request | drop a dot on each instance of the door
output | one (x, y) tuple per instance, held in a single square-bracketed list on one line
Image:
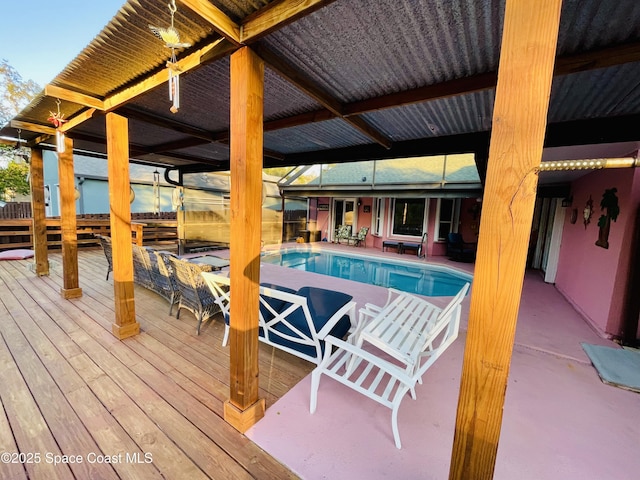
[(343, 214)]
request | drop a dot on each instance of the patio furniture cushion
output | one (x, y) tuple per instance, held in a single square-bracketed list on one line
[(294, 321), (275, 303), (17, 254), (343, 233), (360, 237), (391, 243), (322, 304)]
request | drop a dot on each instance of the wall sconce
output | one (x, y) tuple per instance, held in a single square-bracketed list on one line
[(567, 201)]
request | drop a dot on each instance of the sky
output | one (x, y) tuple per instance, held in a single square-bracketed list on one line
[(40, 37)]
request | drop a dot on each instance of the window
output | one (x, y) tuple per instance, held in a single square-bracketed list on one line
[(448, 214), (378, 216), (408, 216)]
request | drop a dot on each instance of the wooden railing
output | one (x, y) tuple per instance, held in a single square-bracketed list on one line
[(18, 233)]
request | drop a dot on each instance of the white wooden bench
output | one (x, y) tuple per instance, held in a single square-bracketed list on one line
[(412, 332)]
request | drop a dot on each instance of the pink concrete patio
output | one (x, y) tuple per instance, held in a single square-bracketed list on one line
[(560, 421)]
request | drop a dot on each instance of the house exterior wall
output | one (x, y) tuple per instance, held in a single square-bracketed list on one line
[(468, 222), (594, 279)]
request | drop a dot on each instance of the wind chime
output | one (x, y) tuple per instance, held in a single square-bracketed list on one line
[(57, 119), (171, 38)]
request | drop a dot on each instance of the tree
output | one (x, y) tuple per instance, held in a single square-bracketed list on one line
[(13, 180), (15, 93)]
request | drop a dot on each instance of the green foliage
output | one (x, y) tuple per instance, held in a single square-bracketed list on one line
[(15, 93), (13, 180)]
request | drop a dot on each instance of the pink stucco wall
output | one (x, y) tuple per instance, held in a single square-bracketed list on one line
[(469, 221), (592, 278)]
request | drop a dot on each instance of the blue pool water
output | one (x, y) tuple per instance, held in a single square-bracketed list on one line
[(429, 280)]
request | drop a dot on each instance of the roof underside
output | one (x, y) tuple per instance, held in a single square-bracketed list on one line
[(344, 81)]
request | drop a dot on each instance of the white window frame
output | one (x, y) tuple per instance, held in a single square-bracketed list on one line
[(455, 217), (377, 219), (392, 209)]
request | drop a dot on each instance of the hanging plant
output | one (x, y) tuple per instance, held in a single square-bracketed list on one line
[(608, 204)]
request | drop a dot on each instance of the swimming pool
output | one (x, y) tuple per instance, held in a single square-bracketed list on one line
[(429, 280)]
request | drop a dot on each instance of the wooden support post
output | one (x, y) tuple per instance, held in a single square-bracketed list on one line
[(120, 219), (68, 224), (244, 408), (38, 213), (519, 122)]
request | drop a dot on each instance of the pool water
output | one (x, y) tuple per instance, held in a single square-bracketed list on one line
[(429, 280)]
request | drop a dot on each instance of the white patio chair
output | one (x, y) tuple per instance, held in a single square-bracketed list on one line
[(412, 349)]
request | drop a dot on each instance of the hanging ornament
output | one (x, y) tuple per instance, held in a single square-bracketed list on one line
[(19, 150), (57, 119), (171, 39)]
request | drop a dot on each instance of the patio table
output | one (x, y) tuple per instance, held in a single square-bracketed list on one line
[(215, 262)]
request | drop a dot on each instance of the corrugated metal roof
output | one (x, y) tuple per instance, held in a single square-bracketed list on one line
[(361, 49), (347, 51)]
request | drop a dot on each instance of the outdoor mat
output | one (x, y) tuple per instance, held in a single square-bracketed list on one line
[(616, 366)]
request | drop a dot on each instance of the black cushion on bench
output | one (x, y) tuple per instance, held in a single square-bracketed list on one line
[(323, 304)]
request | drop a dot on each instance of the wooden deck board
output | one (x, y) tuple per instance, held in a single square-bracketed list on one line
[(29, 347), (160, 392)]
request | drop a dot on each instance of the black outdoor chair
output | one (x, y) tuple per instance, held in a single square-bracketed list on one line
[(459, 250)]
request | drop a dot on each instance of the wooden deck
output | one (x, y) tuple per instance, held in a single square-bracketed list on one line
[(143, 408)]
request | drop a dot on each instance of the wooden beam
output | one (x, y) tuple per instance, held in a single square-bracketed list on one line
[(125, 324), (300, 119), (73, 97), (77, 120), (220, 22), (581, 62), (208, 53), (165, 122), (244, 407), (317, 93), (33, 127), (520, 113), (604, 57), (34, 142), (66, 178), (463, 143), (38, 213), (452, 88), (276, 15), (297, 78), (177, 145)]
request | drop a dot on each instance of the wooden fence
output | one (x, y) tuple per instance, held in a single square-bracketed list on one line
[(16, 210), (18, 233)]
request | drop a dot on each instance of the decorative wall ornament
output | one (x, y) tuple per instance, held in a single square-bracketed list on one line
[(609, 203), (574, 216), (171, 39), (587, 212)]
